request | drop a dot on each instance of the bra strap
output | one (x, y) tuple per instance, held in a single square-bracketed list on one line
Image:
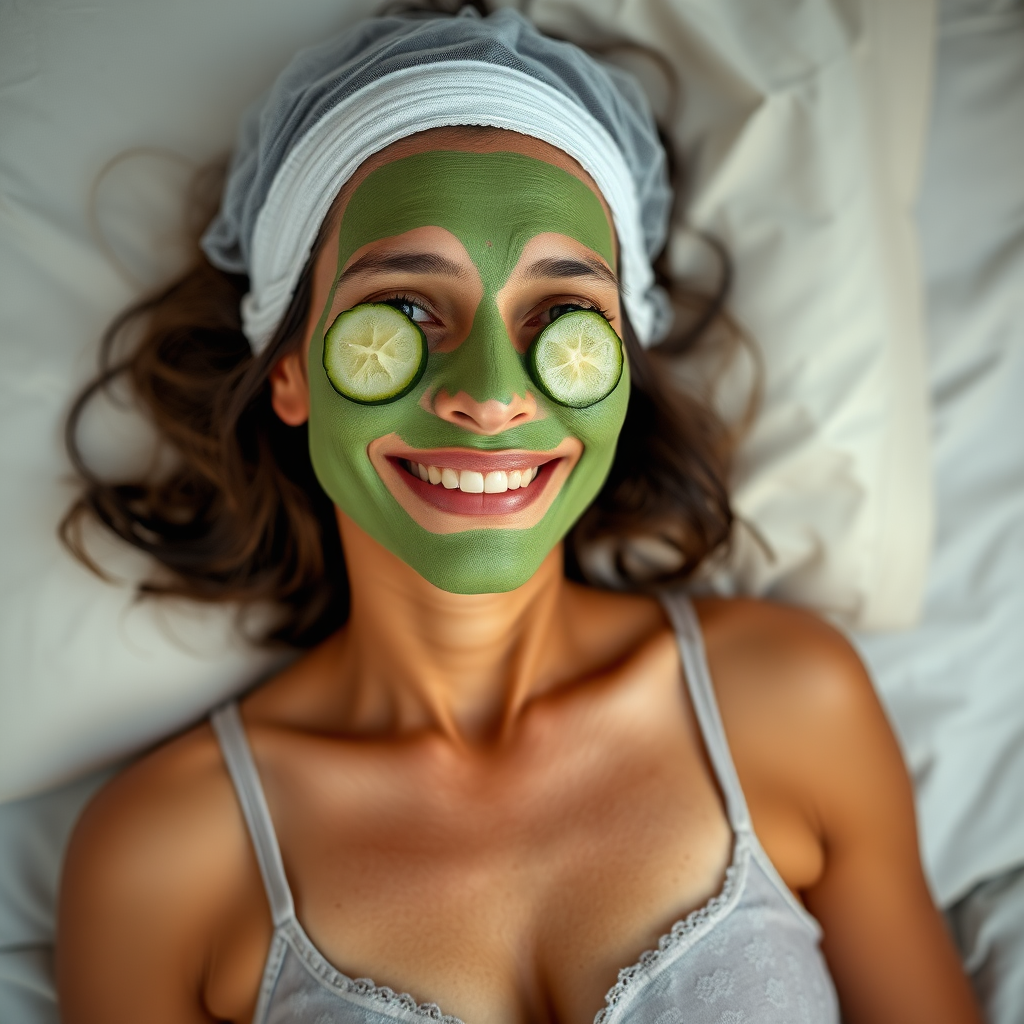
[(230, 733), (702, 695)]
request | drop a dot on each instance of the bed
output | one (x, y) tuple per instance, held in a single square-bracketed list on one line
[(860, 159)]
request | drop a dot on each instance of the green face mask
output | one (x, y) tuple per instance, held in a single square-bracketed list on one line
[(494, 203)]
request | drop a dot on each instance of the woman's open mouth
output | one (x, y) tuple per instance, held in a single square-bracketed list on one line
[(477, 483), (448, 490)]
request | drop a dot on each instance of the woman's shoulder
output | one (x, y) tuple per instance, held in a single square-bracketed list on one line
[(791, 687), (161, 846), (783, 661), (812, 745), (159, 899), (178, 780)]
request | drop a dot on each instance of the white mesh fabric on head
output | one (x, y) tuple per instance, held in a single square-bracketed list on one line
[(338, 103)]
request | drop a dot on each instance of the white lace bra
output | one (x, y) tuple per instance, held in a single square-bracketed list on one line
[(750, 955)]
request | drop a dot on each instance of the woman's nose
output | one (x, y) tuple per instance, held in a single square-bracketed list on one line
[(488, 417), (482, 386)]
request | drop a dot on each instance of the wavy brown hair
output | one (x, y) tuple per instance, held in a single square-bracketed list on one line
[(240, 517)]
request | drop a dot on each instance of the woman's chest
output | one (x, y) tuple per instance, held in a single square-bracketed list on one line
[(526, 923), (517, 897)]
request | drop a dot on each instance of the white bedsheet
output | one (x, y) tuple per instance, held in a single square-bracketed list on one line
[(955, 683)]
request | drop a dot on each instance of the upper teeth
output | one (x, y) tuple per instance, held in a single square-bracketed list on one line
[(469, 480)]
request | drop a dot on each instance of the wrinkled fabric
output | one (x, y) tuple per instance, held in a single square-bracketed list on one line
[(988, 926)]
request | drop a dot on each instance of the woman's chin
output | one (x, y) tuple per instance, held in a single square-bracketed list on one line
[(481, 566), (469, 562)]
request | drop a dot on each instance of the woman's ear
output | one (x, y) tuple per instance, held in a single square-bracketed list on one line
[(289, 393)]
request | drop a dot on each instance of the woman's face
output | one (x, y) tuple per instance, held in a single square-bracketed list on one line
[(482, 246)]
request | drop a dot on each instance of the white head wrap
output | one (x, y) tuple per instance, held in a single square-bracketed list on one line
[(342, 101)]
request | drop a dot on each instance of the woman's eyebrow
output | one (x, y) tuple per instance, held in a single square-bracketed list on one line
[(568, 266), (403, 262)]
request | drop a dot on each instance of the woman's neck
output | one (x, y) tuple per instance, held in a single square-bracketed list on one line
[(466, 665)]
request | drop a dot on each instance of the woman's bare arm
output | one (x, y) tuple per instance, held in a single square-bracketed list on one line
[(150, 869), (804, 720), (887, 944)]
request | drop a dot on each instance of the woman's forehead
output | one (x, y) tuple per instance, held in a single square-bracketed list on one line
[(493, 202), (469, 139)]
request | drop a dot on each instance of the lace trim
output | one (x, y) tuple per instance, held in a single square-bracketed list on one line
[(362, 986), (401, 1000), (668, 942), (627, 976)]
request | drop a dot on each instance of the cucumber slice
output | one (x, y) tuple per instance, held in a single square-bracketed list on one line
[(577, 359), (373, 353)]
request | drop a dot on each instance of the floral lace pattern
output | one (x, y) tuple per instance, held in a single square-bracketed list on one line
[(680, 931)]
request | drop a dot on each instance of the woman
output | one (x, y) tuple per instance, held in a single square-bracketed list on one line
[(491, 787)]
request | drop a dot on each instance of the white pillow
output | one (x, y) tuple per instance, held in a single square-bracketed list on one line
[(954, 684), (802, 154), (801, 129)]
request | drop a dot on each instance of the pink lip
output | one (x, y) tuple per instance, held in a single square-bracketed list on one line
[(462, 503)]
